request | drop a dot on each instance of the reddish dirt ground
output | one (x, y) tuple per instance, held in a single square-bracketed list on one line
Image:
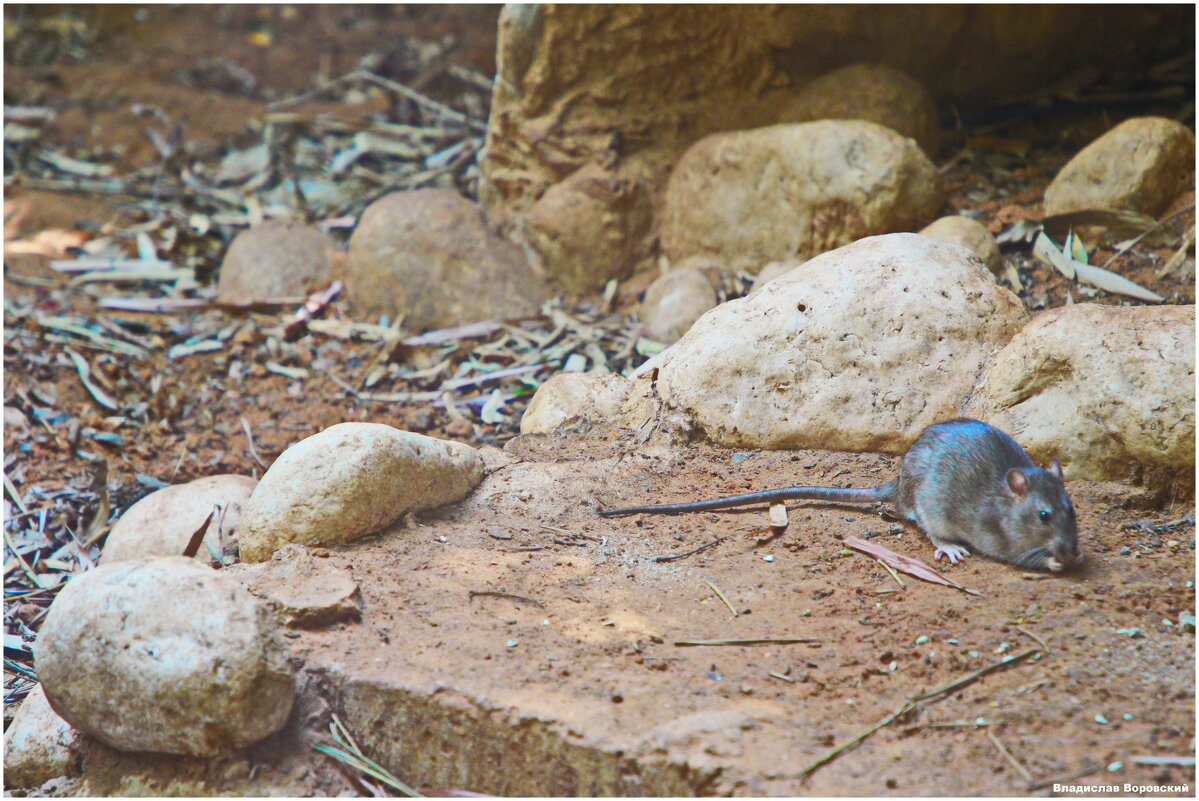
[(1098, 695)]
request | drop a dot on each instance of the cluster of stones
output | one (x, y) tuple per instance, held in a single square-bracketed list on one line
[(155, 652)]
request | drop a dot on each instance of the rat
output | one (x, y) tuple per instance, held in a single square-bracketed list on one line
[(969, 486)]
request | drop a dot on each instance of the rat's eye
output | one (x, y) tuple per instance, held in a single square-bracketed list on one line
[(1046, 515)]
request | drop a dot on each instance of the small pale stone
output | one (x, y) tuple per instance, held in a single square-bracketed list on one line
[(163, 522), (350, 480), (970, 234), (873, 92), (595, 397), (794, 191), (166, 655), (277, 259), (773, 270), (674, 301), (1141, 165), (38, 744)]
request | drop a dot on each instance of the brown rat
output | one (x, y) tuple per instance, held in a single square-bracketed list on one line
[(967, 485)]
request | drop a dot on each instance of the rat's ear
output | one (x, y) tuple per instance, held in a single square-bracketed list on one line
[(1055, 469), (1017, 482)]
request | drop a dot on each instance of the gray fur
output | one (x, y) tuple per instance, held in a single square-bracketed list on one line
[(963, 482)]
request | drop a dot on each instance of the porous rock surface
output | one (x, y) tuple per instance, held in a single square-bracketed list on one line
[(1109, 390), (277, 259), (873, 92), (860, 350), (1141, 165), (163, 522), (350, 480), (593, 397), (166, 655), (38, 745), (303, 589), (794, 191), (674, 301), (970, 234), (429, 255)]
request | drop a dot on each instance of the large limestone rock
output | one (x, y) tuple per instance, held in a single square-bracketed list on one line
[(429, 256), (277, 259), (794, 191), (350, 480), (163, 522), (872, 92), (594, 397), (859, 350), (163, 654), (1141, 165), (637, 84), (38, 745), (1109, 390)]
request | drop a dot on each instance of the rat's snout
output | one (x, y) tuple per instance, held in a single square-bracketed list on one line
[(1065, 555)]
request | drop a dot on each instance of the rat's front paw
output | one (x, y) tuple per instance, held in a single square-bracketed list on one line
[(954, 552)]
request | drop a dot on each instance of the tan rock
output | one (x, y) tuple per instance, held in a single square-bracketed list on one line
[(304, 591), (860, 350), (277, 259), (970, 234), (163, 654), (1141, 165), (429, 256), (163, 522), (38, 744), (1109, 390), (350, 480), (593, 226), (871, 92), (794, 191), (773, 270), (674, 301), (594, 397)]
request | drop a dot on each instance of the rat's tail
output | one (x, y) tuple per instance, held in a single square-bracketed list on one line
[(883, 492)]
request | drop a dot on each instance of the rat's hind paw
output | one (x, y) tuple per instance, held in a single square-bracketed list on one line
[(954, 552)]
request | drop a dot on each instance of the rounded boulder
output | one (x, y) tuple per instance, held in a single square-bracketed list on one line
[(859, 350), (165, 655), (350, 480), (872, 92), (747, 198), (1141, 165), (428, 255), (163, 522), (1109, 390), (277, 259)]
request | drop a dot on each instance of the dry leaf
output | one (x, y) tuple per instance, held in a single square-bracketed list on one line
[(913, 567)]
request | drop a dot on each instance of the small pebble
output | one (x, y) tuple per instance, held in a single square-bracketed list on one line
[(893, 666), (767, 558), (921, 640), (1127, 716), (513, 643), (1115, 766), (1100, 719), (1130, 632), (980, 721), (952, 641), (973, 654)]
